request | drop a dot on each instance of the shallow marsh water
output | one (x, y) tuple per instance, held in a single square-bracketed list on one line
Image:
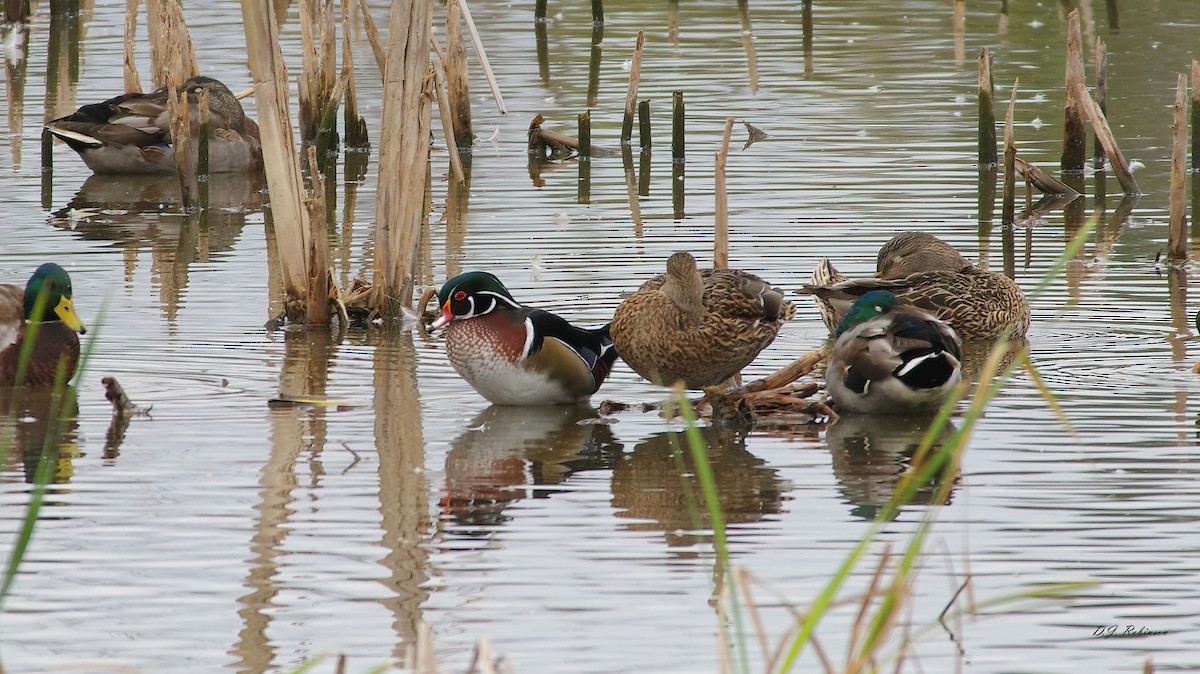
[(222, 534)]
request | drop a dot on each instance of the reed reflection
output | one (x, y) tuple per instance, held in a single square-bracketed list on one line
[(872, 453), (308, 354), (508, 453), (15, 37), (655, 487)]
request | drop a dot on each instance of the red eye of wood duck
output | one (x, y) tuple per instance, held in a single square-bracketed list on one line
[(515, 355)]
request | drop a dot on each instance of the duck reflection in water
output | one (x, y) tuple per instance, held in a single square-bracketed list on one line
[(507, 452), (41, 427), (648, 489), (871, 453)]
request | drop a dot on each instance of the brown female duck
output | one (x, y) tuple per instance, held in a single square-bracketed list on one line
[(698, 327)]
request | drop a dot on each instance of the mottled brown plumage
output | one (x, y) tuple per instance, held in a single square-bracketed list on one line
[(698, 327), (926, 272)]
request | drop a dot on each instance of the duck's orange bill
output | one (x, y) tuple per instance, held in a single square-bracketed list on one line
[(444, 319)]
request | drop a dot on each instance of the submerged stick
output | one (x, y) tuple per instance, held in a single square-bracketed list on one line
[(721, 210), (1177, 230), (631, 95), (1100, 124), (1074, 134), (987, 112), (1009, 202), (483, 59), (677, 118)]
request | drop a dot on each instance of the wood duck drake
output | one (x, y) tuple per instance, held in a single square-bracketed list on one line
[(926, 272), (698, 327), (891, 358), (515, 355), (131, 133), (44, 310)]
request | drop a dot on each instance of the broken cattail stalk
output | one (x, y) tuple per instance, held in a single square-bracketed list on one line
[(1195, 114), (447, 125), (987, 112), (597, 11), (317, 305), (1177, 230), (373, 37), (594, 64), (133, 83), (542, 39), (644, 139), (958, 23), (721, 210), (47, 169), (457, 86), (1045, 182), (1074, 134), (483, 59), (1104, 133), (644, 174), (202, 145), (403, 155), (677, 117), (631, 95), (748, 45), (1009, 201), (280, 160), (585, 135), (356, 126), (178, 109), (1101, 99), (539, 11)]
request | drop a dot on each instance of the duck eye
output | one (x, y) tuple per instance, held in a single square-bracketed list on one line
[(460, 296)]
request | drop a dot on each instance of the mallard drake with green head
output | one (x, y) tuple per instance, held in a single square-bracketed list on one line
[(515, 355), (891, 358), (926, 272), (43, 310), (131, 133), (698, 327)]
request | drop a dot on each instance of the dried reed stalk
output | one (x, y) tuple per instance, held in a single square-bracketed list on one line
[(133, 83), (403, 155), (280, 160), (457, 86), (319, 280), (987, 111), (373, 37), (1074, 134), (721, 210), (1177, 230), (445, 113), (635, 72), (1009, 201), (166, 26), (483, 59), (356, 126), (1104, 133), (1195, 114), (1101, 98)]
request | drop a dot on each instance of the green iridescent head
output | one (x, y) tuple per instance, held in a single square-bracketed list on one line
[(472, 294), (48, 297), (874, 303)]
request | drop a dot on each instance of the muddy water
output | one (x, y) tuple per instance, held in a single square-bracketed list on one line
[(223, 534)]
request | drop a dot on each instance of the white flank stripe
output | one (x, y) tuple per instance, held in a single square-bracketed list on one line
[(82, 138), (528, 338)]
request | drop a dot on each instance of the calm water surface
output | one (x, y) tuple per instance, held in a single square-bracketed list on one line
[(223, 535)]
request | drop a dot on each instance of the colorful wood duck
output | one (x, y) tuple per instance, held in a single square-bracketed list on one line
[(926, 272), (892, 358), (515, 355), (131, 133), (698, 327), (42, 310)]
